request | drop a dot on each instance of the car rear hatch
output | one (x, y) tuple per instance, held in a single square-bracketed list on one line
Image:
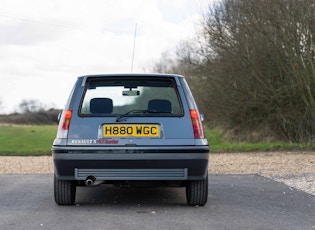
[(141, 111)]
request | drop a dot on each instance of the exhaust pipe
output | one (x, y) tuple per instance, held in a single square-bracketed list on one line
[(89, 181)]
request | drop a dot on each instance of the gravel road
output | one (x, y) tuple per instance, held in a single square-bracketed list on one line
[(296, 169)]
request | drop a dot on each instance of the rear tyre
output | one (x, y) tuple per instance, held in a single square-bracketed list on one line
[(197, 192), (64, 191)]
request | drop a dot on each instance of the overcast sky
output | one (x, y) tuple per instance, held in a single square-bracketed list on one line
[(45, 45)]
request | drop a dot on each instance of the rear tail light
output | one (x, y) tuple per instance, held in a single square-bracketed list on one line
[(64, 124), (66, 120), (196, 123)]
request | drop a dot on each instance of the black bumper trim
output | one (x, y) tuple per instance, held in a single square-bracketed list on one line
[(129, 150)]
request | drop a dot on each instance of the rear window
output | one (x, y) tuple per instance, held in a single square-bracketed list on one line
[(116, 96)]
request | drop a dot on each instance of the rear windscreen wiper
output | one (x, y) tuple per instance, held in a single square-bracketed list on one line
[(118, 119)]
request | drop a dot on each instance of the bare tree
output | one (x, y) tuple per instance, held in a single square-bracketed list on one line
[(264, 64), (31, 106), (254, 68)]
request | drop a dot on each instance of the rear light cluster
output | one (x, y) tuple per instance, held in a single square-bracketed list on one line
[(66, 120), (196, 123), (65, 124)]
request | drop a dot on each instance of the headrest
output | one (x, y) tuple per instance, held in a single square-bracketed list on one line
[(101, 105), (160, 106)]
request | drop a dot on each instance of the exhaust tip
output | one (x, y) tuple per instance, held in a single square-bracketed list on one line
[(89, 181)]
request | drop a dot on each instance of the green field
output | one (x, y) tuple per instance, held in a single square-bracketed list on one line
[(37, 140), (219, 144), (26, 140)]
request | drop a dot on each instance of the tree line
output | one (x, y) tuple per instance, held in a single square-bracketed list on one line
[(32, 112), (251, 68)]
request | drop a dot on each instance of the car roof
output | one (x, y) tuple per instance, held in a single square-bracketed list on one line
[(131, 75)]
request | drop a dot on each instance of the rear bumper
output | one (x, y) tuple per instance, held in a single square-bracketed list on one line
[(175, 163)]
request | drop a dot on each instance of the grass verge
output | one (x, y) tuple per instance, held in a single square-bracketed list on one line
[(219, 144), (26, 140)]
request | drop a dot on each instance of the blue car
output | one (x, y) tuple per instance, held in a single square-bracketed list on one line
[(131, 130)]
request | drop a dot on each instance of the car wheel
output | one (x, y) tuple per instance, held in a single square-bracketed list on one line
[(197, 192), (64, 191)]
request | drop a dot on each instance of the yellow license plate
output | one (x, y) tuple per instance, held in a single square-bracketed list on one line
[(131, 130)]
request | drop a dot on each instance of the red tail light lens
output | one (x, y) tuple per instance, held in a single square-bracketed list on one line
[(196, 123), (66, 120)]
